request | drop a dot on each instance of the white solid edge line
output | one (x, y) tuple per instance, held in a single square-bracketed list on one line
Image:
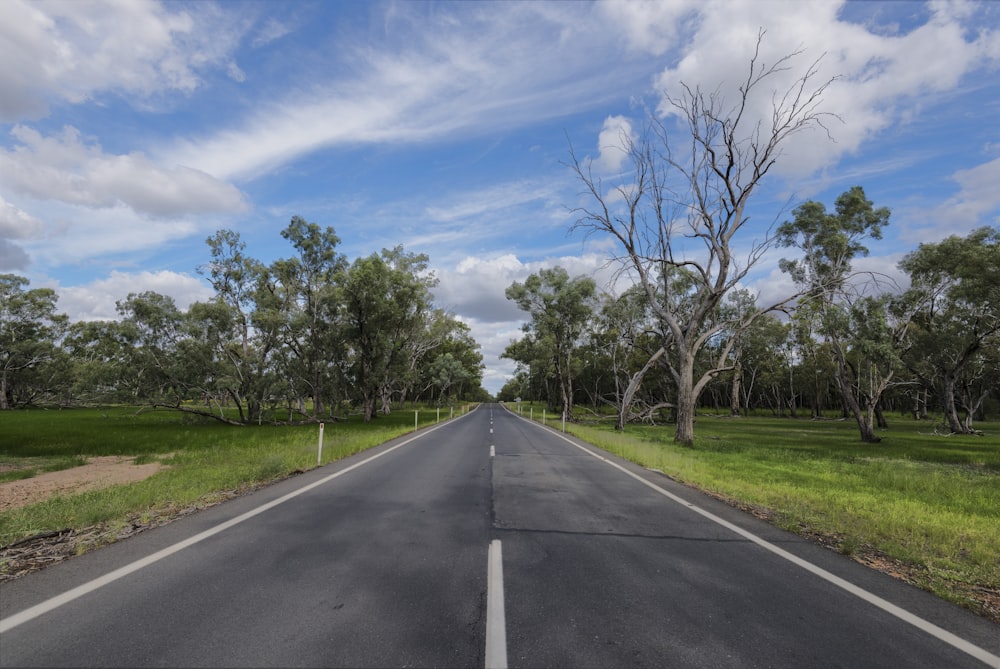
[(887, 606), (10, 622), (496, 622)]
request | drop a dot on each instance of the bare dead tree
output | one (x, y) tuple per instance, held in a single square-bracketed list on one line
[(697, 190)]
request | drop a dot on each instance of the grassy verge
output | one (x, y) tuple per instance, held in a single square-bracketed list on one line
[(206, 460), (923, 507)]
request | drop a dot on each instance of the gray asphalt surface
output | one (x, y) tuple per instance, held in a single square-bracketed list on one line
[(386, 566)]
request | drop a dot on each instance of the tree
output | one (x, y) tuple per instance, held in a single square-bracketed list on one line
[(241, 287), (149, 335), (559, 308), (698, 189), (385, 297), (29, 331), (957, 282), (865, 335), (308, 283), (456, 341)]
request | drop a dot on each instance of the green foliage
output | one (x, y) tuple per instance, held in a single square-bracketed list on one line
[(956, 333), (29, 330), (559, 309), (309, 334)]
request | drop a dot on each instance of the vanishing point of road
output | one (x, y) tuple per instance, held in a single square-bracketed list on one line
[(485, 541)]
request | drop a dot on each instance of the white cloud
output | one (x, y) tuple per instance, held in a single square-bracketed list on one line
[(474, 291), (613, 143), (116, 237), (15, 224), (977, 203), (67, 169), (272, 30), (883, 79), (436, 74), (74, 50), (978, 195), (653, 27), (96, 300), (12, 256)]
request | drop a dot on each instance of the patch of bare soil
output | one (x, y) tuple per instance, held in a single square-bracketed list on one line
[(37, 552), (99, 472)]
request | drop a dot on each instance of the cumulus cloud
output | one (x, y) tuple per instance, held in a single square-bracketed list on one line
[(96, 300), (978, 195), (12, 257), (613, 142), (974, 203), (74, 50), (117, 237), (652, 27), (15, 224), (876, 79), (474, 291), (66, 168)]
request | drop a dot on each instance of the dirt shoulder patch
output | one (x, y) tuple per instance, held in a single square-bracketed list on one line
[(99, 472)]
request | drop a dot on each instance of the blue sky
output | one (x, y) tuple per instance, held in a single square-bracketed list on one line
[(130, 132)]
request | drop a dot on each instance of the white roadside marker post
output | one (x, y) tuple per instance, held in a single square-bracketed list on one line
[(319, 451)]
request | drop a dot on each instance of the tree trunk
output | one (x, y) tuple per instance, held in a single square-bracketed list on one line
[(734, 395), (950, 406), (625, 409), (318, 408), (369, 406), (883, 424), (4, 404), (864, 418), (684, 432)]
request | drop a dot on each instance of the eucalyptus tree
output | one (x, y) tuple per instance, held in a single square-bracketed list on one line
[(762, 366), (627, 331), (536, 370), (149, 335), (458, 343), (559, 308), (99, 361), (384, 298), (866, 333), (306, 288), (682, 205), (30, 329), (957, 283), (254, 316)]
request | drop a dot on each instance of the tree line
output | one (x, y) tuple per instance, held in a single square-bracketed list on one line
[(687, 333), (306, 337), (860, 348)]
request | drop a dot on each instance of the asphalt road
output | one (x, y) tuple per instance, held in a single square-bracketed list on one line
[(385, 562)]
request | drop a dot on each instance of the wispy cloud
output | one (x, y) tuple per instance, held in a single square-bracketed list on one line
[(73, 51), (434, 77)]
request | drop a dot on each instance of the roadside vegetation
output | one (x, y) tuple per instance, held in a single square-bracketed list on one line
[(206, 461), (921, 506)]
